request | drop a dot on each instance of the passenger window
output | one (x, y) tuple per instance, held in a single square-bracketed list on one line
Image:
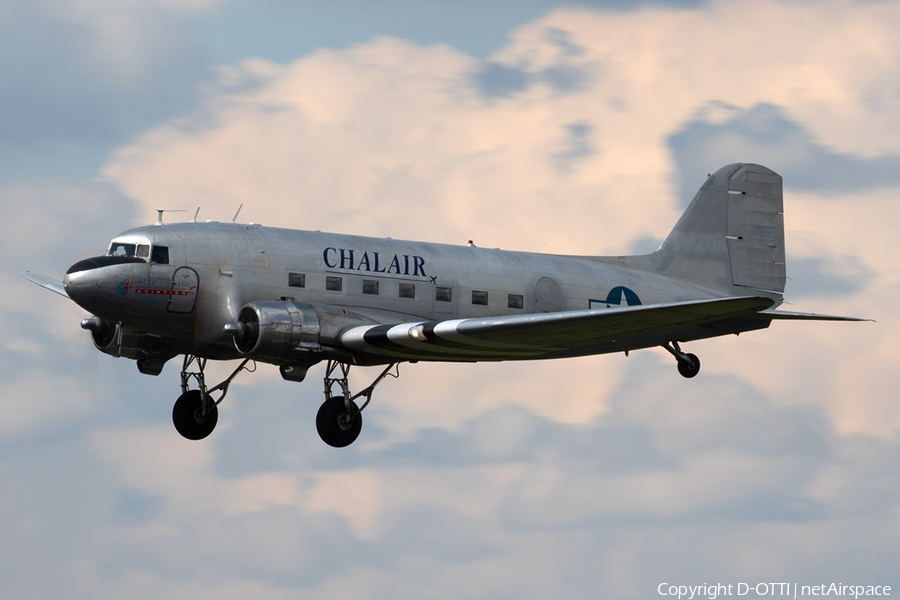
[(479, 297), (143, 251), (297, 280), (370, 286), (516, 301), (334, 284), (160, 255), (407, 290), (119, 249), (443, 293)]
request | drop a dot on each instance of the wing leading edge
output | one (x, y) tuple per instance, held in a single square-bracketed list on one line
[(542, 334)]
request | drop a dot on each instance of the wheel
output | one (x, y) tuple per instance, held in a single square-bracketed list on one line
[(187, 416), (690, 366), (334, 426)]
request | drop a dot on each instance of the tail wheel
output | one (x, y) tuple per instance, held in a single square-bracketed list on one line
[(689, 365)]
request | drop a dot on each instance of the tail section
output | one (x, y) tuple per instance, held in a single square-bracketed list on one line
[(732, 233)]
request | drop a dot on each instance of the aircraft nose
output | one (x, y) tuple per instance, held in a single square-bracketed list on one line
[(84, 279), (82, 282)]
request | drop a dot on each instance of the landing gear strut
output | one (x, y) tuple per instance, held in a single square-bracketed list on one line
[(196, 411), (688, 364), (339, 419)]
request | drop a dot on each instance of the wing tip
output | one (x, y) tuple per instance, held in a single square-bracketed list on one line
[(54, 285), (783, 315)]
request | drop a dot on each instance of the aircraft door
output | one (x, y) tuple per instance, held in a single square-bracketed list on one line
[(183, 296)]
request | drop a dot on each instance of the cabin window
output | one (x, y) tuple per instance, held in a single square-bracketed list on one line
[(443, 293), (143, 251), (370, 286), (479, 297), (516, 301), (297, 280), (334, 284), (160, 255), (119, 249), (407, 290)]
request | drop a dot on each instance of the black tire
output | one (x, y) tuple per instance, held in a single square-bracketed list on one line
[(334, 430), (187, 419), (690, 366)]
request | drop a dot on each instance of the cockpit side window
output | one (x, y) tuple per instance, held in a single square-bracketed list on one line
[(120, 249), (143, 251), (160, 255)]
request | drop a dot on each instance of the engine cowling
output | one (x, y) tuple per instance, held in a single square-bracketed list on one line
[(150, 351), (273, 331)]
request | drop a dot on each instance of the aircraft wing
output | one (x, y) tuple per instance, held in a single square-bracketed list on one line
[(533, 335), (54, 285)]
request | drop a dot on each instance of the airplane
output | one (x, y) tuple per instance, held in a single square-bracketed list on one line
[(225, 291)]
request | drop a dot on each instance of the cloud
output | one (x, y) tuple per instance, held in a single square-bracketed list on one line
[(495, 80), (565, 75), (191, 6), (390, 138), (500, 151), (503, 480), (447, 161), (77, 77), (817, 276), (763, 134), (56, 223), (707, 477), (500, 81)]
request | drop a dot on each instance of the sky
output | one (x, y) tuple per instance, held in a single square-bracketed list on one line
[(580, 128)]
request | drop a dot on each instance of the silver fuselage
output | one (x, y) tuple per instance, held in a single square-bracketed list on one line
[(216, 268)]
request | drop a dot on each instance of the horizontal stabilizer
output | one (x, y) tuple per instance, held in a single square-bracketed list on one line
[(54, 285), (785, 315)]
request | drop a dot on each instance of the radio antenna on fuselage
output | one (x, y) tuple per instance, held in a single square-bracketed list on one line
[(234, 218), (194, 220), (159, 220)]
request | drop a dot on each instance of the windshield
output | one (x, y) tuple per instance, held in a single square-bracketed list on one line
[(120, 249), (157, 254)]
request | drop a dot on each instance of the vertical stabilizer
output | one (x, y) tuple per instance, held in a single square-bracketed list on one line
[(732, 233)]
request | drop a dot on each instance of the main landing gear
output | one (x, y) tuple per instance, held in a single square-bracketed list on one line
[(339, 419), (196, 411), (688, 364)]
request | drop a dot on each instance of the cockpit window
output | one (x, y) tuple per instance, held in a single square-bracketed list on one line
[(156, 254), (160, 255), (120, 249)]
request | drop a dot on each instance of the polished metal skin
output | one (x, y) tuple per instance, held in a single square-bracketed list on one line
[(294, 298)]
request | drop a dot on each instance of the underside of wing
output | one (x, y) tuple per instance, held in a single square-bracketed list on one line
[(545, 335)]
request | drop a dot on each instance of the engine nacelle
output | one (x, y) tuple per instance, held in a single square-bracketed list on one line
[(273, 332), (150, 351)]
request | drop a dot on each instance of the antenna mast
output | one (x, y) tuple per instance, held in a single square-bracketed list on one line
[(159, 219)]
